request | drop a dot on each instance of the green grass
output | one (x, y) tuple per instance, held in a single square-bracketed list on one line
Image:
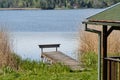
[(33, 70), (50, 76), (89, 60)]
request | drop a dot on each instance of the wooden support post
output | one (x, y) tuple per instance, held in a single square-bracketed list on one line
[(56, 49), (42, 58), (119, 70), (110, 69), (41, 50), (104, 44)]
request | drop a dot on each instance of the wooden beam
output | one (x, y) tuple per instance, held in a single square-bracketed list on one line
[(110, 30), (102, 23), (116, 28), (49, 45), (104, 44)]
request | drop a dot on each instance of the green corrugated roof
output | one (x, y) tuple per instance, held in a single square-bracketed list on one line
[(110, 14)]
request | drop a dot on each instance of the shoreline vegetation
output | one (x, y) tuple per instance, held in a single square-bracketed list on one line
[(20, 9), (55, 4), (2, 9), (34, 9), (13, 67)]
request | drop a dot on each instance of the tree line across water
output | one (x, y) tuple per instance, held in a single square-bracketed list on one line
[(52, 4)]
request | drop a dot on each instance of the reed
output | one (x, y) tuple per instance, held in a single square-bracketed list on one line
[(88, 47), (6, 52), (89, 42)]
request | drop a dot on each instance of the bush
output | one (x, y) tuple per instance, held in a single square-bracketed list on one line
[(89, 60)]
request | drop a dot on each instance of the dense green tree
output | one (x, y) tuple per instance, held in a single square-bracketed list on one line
[(51, 4)]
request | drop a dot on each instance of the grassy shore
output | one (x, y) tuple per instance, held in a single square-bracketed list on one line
[(33, 70)]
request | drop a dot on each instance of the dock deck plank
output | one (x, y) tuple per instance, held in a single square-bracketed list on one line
[(57, 56)]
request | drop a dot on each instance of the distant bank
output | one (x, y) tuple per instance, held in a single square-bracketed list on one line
[(19, 8), (33, 9), (53, 4)]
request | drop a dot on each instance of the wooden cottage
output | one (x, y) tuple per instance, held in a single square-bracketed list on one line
[(109, 19)]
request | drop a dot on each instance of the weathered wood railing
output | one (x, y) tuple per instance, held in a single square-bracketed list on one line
[(113, 68), (49, 46), (43, 57)]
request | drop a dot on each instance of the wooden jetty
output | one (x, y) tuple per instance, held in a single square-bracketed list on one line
[(58, 57)]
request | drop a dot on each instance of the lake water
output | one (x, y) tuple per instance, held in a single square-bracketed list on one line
[(30, 28)]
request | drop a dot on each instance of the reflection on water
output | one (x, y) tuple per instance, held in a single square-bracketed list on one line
[(26, 43)]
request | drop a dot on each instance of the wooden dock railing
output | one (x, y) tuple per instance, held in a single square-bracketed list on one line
[(113, 68), (49, 46)]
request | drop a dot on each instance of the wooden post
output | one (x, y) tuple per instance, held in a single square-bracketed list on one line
[(110, 69), (56, 49), (104, 44), (41, 50), (42, 58)]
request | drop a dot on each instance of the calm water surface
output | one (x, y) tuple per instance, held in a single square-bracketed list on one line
[(26, 43), (30, 28)]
